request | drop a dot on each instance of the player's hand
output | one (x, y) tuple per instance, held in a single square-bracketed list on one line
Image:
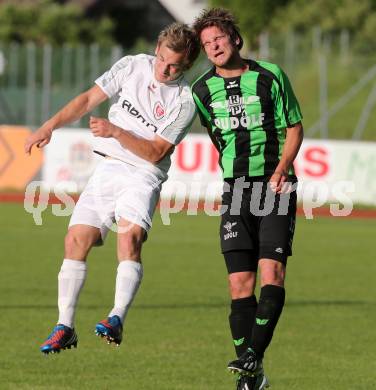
[(278, 183), (40, 138), (101, 127)]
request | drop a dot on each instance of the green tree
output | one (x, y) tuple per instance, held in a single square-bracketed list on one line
[(48, 22), (332, 16), (254, 16), (18, 23)]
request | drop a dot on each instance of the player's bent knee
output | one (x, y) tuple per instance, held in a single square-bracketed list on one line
[(272, 272), (78, 244), (130, 244), (242, 284)]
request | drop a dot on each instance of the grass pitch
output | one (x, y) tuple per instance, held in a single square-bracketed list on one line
[(177, 336)]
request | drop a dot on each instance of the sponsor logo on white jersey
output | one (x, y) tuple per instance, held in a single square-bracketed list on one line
[(126, 104), (158, 111)]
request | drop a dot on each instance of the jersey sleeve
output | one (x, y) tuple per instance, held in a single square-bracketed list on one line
[(290, 103), (202, 111), (177, 130), (112, 81)]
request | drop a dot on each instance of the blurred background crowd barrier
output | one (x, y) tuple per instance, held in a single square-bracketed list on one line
[(335, 85)]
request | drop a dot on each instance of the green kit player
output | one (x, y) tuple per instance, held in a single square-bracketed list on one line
[(254, 120)]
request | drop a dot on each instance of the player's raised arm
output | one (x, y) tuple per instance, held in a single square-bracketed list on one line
[(74, 110)]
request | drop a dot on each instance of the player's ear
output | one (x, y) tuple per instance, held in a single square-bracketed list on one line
[(157, 49)]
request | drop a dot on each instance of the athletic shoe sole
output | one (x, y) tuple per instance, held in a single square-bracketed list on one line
[(103, 332), (57, 350)]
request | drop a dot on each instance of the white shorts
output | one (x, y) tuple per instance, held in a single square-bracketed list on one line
[(118, 190)]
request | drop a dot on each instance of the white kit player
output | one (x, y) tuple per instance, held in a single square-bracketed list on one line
[(151, 116)]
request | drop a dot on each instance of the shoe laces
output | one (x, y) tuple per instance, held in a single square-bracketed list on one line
[(55, 336), (114, 321)]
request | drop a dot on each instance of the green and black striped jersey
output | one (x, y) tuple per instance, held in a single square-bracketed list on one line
[(248, 116)]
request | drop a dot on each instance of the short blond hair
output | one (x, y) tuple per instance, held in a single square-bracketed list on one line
[(181, 39)]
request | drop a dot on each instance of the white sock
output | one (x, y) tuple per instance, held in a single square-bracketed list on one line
[(71, 279), (128, 280)]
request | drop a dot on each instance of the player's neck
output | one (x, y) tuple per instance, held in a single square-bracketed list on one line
[(235, 67)]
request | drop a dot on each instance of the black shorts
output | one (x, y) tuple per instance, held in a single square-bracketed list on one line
[(257, 220)]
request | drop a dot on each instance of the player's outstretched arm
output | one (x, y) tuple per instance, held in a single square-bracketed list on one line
[(74, 110), (150, 150), (294, 138)]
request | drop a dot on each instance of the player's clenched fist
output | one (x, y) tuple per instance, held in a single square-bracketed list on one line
[(40, 138), (101, 127)]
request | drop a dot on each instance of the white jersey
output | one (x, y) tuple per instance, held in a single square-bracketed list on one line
[(145, 108)]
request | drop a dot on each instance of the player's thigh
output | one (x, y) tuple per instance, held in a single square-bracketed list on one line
[(236, 231), (137, 203), (276, 233), (96, 205), (239, 247)]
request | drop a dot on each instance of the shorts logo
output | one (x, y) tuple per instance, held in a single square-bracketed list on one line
[(230, 234), (279, 250), (159, 111)]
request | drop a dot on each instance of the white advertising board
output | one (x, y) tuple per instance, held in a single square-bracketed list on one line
[(68, 158), (329, 170)]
